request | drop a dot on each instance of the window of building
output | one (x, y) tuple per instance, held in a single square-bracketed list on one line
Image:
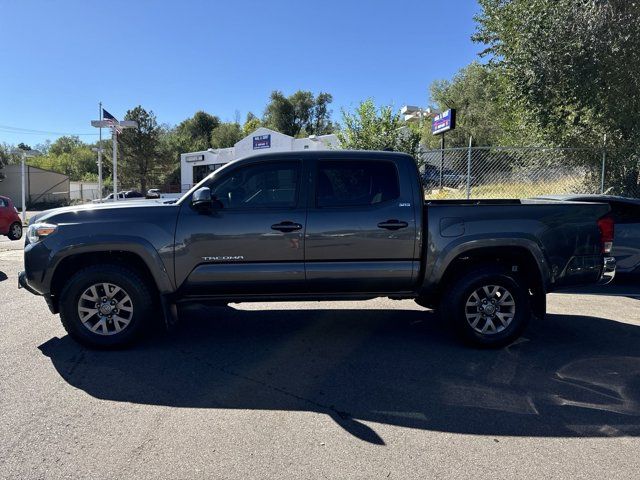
[(354, 183), (261, 185), (201, 171)]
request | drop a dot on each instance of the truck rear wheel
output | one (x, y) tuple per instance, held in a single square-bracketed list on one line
[(488, 306), (105, 306)]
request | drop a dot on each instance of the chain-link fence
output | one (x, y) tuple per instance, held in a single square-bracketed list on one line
[(512, 172)]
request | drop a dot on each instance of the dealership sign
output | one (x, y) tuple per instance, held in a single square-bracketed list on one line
[(261, 141), (444, 121)]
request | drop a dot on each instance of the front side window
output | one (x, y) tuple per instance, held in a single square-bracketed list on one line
[(356, 183), (2, 204), (262, 185)]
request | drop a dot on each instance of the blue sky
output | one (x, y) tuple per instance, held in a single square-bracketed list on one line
[(58, 59)]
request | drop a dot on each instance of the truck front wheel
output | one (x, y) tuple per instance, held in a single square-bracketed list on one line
[(105, 306), (488, 306)]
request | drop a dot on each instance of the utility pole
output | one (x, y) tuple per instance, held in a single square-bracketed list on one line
[(24, 188), (469, 168), (114, 138), (24, 154), (100, 154), (99, 151), (604, 161)]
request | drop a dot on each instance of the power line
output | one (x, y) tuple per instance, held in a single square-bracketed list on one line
[(29, 131)]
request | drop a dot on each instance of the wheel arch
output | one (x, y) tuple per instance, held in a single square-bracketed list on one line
[(513, 258), (151, 270)]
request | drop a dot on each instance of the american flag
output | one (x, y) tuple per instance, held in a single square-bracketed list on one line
[(113, 121)]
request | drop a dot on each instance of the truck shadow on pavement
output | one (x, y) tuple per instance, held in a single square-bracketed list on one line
[(570, 376)]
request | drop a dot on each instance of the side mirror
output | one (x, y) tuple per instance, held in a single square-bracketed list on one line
[(201, 199)]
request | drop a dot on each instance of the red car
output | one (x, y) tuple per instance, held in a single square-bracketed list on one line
[(10, 223)]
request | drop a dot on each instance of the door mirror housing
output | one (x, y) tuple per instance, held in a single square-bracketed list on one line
[(201, 199)]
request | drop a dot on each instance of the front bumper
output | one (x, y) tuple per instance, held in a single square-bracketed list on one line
[(23, 283), (608, 270)]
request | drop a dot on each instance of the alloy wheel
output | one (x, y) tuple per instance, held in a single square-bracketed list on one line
[(490, 309), (105, 309)]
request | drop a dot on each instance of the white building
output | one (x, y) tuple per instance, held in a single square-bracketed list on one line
[(194, 166)]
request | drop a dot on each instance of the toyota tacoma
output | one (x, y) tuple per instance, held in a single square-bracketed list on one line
[(338, 225)]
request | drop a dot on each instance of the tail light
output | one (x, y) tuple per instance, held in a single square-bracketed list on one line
[(606, 227)]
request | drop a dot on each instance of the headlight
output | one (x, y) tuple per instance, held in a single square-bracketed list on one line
[(38, 231)]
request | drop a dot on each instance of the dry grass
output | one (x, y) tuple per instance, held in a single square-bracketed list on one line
[(511, 189)]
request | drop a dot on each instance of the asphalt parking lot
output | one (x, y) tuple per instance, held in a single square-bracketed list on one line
[(376, 389)]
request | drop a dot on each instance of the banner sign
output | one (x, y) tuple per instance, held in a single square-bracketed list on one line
[(261, 141), (444, 122)]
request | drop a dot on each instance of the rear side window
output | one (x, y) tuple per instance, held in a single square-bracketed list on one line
[(356, 183)]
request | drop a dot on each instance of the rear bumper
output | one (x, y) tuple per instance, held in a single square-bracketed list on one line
[(608, 270)]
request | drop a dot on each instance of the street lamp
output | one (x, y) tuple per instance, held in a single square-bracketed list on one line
[(115, 127), (24, 154)]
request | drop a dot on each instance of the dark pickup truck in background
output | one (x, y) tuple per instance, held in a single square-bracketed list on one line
[(313, 226)]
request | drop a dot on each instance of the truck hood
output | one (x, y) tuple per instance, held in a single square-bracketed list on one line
[(99, 210)]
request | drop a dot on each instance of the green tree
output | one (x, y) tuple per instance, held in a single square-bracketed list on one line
[(195, 133), (251, 124), (373, 128), (300, 114), (477, 92), (66, 144), (571, 68), (226, 135), (67, 155), (142, 160), (5, 158)]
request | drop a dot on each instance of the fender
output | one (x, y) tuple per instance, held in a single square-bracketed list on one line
[(435, 269), (123, 243)]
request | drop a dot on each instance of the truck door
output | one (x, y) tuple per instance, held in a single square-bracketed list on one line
[(253, 240), (361, 229)]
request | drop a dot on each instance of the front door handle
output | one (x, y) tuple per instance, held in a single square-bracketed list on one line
[(286, 226), (393, 225)]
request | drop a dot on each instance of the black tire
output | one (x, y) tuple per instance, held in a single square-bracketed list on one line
[(131, 283), (455, 309), (15, 231)]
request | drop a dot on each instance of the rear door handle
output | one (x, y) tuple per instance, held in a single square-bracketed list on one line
[(393, 225), (286, 226)]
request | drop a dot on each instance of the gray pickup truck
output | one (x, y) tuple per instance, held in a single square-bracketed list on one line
[(338, 225)]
